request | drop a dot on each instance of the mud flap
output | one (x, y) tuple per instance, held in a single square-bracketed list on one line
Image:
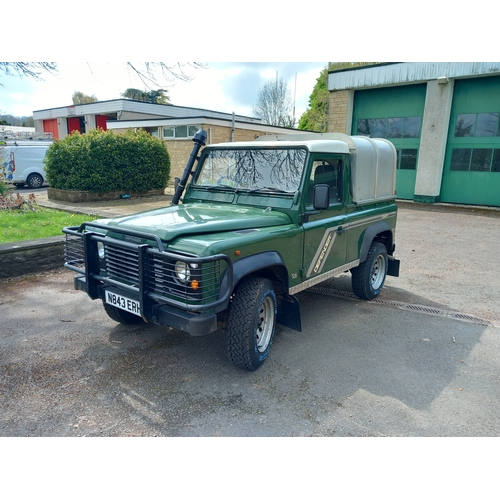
[(289, 312), (393, 267)]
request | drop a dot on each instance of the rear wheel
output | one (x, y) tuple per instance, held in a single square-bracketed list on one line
[(251, 323), (369, 277), (121, 316), (34, 180)]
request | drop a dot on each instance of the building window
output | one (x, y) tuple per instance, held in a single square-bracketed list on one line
[(391, 128), (460, 159), (477, 125), (407, 159), (475, 160), (180, 131), (481, 160), (495, 164)]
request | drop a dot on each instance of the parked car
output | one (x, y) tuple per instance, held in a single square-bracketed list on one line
[(22, 163)]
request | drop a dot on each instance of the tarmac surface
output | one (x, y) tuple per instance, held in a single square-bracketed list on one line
[(422, 360), (448, 252)]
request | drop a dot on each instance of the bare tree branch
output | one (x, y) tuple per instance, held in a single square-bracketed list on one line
[(28, 69), (152, 73)]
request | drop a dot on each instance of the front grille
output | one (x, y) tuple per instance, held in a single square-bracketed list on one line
[(122, 264), (124, 261), (74, 254), (161, 279)]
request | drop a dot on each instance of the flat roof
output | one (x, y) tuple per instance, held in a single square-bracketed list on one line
[(405, 73), (117, 105)]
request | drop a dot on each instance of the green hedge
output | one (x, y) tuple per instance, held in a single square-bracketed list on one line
[(102, 161)]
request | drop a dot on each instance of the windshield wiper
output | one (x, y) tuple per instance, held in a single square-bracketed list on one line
[(218, 186), (268, 188)]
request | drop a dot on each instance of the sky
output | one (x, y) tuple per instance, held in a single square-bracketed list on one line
[(66, 33), (227, 87)]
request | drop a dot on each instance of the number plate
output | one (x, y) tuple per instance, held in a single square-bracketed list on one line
[(129, 305)]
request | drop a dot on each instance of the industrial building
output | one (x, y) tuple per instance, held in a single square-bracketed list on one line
[(443, 119)]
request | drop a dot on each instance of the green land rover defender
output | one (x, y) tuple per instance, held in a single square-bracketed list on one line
[(258, 222)]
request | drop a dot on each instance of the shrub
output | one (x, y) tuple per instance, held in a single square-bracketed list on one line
[(4, 188), (102, 161)]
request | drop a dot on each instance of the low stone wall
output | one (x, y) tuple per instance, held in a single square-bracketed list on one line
[(83, 196), (25, 257)]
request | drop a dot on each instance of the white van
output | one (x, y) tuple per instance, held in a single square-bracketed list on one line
[(22, 163)]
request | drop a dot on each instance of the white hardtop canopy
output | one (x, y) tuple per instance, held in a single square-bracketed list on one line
[(372, 160), (270, 141)]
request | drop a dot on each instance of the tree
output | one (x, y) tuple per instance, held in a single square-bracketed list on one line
[(16, 121), (150, 73), (315, 118), (81, 98), (274, 104), (155, 96), (29, 69)]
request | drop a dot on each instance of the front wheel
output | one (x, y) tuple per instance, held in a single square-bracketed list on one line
[(369, 277), (251, 323)]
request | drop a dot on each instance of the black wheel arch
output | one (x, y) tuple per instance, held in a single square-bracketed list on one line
[(269, 265), (380, 231)]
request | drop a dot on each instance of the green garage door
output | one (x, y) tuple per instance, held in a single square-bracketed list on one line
[(471, 173), (394, 113)]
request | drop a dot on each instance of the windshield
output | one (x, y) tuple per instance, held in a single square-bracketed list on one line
[(253, 169)]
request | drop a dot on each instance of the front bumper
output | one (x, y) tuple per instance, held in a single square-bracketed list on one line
[(145, 273), (196, 324)]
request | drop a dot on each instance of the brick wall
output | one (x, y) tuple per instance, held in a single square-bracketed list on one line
[(337, 113), (181, 149), (34, 256)]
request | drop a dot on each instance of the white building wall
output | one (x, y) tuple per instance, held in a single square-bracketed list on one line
[(435, 122)]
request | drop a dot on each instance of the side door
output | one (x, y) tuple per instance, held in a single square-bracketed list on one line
[(325, 240)]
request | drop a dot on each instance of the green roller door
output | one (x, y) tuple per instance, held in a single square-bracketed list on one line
[(471, 173), (394, 113)]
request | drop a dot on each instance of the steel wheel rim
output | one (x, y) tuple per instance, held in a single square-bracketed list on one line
[(265, 324), (378, 272)]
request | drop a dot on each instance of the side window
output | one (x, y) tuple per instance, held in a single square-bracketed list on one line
[(326, 172)]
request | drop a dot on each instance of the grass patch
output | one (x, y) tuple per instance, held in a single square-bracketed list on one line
[(20, 225)]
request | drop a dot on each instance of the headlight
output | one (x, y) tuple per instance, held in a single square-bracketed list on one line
[(100, 250), (182, 271)]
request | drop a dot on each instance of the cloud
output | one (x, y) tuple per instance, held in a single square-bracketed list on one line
[(221, 86)]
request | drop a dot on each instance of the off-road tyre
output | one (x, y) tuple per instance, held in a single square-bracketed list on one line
[(121, 316), (34, 181), (251, 323), (369, 277)]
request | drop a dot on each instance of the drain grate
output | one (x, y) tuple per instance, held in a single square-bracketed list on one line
[(403, 305)]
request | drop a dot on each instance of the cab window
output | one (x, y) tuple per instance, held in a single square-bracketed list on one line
[(327, 171)]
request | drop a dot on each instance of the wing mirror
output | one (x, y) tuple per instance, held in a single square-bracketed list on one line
[(321, 197)]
